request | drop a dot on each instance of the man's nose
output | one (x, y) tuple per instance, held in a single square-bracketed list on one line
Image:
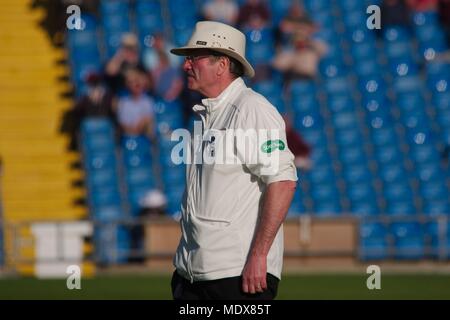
[(187, 65)]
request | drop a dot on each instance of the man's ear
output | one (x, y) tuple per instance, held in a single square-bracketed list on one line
[(224, 65)]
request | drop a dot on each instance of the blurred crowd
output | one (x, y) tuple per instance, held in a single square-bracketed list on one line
[(135, 77)]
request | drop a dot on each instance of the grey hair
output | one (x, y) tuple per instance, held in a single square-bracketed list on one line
[(236, 68)]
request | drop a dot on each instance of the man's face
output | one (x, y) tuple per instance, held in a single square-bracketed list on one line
[(201, 68)]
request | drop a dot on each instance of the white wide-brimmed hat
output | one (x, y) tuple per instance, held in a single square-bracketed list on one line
[(218, 37)]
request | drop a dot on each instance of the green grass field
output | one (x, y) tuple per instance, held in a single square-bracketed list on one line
[(292, 287)]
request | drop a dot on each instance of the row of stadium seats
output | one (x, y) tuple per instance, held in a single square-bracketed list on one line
[(376, 117)]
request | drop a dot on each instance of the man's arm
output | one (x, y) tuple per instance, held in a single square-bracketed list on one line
[(277, 199)]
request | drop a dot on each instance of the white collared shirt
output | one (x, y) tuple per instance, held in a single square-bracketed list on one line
[(223, 199)]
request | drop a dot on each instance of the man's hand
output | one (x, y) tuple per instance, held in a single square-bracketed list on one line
[(254, 274), (277, 198)]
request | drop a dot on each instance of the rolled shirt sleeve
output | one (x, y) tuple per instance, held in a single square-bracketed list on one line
[(261, 143)]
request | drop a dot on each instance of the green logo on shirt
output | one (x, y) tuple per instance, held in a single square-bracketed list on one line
[(272, 145)]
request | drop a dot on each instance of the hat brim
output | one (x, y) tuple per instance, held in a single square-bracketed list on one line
[(186, 51)]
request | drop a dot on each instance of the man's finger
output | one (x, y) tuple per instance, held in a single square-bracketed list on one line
[(259, 288), (244, 287)]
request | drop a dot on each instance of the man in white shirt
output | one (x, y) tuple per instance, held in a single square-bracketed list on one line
[(234, 206)]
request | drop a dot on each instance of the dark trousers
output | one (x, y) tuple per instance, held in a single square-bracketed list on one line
[(220, 289)]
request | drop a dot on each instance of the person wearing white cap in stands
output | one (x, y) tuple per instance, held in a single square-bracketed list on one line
[(231, 215)]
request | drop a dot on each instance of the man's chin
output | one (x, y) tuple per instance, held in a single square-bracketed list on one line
[(191, 84)]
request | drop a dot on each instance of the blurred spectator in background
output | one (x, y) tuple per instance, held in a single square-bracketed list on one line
[(300, 57), (158, 44), (98, 101), (168, 81), (166, 77), (394, 13), (422, 5), (126, 57), (153, 204), (300, 149), (225, 11), (254, 14), (136, 110), (444, 17)]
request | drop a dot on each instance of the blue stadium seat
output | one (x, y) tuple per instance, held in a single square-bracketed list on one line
[(307, 122), (359, 192), (112, 244), (398, 50), (98, 142), (96, 126), (340, 103), (102, 177), (364, 208), (348, 137), (332, 67), (436, 207), (373, 244), (400, 208), (354, 18), (327, 207), (377, 106), (363, 50), (352, 5), (394, 172), (360, 34), (320, 156), (313, 6), (402, 67), (429, 32), (388, 154), (302, 87), (366, 67), (338, 85), (136, 160), (345, 120), (139, 176), (396, 34), (322, 174), (397, 191), (439, 234), (107, 213), (372, 86), (359, 173), (100, 160), (439, 84), (434, 190), (149, 22), (324, 191), (113, 6), (116, 23), (407, 84), (279, 9), (408, 240), (421, 18), (314, 137), (425, 153), (382, 134), (324, 19), (441, 100), (136, 144), (429, 172), (352, 155), (410, 102)]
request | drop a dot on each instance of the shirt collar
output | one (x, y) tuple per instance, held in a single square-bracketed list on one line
[(212, 104)]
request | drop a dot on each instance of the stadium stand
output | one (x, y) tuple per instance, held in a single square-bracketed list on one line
[(377, 117), (37, 174)]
